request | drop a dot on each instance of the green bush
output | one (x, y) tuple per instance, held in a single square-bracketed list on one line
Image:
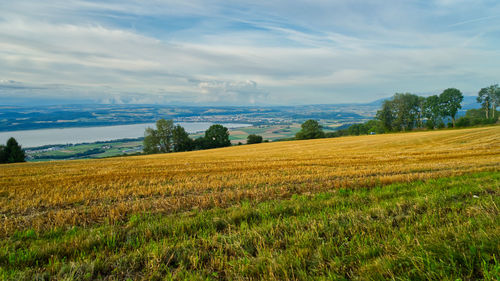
[(251, 139)]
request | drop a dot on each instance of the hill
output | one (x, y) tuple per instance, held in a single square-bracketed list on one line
[(331, 208)]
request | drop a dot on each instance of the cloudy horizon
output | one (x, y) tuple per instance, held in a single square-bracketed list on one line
[(244, 52)]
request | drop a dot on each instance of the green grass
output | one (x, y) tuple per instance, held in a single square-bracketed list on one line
[(443, 229)]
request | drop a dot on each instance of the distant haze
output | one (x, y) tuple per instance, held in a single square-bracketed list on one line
[(218, 52)]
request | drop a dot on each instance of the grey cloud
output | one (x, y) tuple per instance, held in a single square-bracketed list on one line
[(11, 85), (227, 91)]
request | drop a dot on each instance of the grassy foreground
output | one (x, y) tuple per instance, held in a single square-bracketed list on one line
[(438, 229)]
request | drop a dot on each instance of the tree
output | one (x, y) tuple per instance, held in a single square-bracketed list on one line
[(489, 97), (476, 117), (494, 92), (159, 140), (12, 152), (386, 115), (164, 129), (311, 129), (200, 143), (181, 140), (217, 136), (375, 126), (251, 139), (402, 112), (3, 154), (406, 110), (485, 99), (421, 107), (450, 101), (357, 129), (432, 111), (151, 142)]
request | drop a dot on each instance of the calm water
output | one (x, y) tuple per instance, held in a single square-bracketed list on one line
[(32, 138)]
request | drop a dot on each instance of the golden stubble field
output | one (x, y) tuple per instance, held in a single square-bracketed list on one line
[(65, 193)]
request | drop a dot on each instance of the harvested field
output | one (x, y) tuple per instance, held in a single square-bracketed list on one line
[(42, 196)]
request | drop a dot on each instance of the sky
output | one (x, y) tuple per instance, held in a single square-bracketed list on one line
[(211, 52)]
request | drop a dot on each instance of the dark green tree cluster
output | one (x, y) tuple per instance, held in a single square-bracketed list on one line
[(474, 117), (310, 129), (251, 139), (370, 127), (215, 136), (405, 111), (181, 140), (161, 139), (12, 152), (168, 137), (489, 97)]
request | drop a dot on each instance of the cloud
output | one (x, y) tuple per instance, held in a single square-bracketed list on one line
[(9, 85), (240, 52), (224, 91)]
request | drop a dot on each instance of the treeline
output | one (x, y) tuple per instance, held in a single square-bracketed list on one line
[(408, 111), (12, 152), (405, 111), (168, 137)]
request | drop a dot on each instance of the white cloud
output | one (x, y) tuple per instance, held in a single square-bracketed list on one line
[(135, 52), (223, 91)]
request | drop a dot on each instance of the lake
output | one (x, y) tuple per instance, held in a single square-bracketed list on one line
[(33, 138)]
